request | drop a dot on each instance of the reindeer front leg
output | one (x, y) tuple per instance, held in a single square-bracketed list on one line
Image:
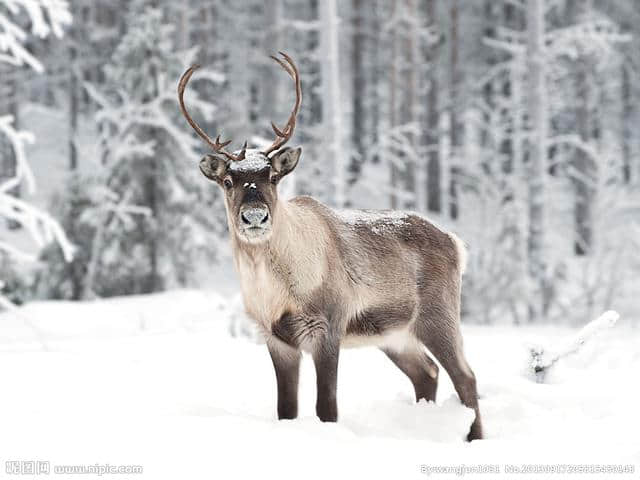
[(325, 357), (286, 362), (311, 332)]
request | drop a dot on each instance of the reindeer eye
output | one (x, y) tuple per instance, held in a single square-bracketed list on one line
[(274, 179), (227, 183)]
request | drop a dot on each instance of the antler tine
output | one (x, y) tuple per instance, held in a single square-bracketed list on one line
[(277, 131), (289, 60), (286, 67), (216, 145), (240, 156), (221, 144), (283, 135)]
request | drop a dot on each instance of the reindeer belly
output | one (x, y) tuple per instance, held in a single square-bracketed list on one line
[(397, 340), (388, 326)]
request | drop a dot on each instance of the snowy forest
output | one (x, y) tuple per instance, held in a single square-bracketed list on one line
[(511, 122), (125, 342)]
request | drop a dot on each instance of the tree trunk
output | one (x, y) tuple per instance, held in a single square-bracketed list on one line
[(509, 87), (8, 165), (538, 116), (454, 130), (331, 102), (152, 199), (582, 163), (151, 187), (239, 121), (271, 77), (393, 80), (183, 34), (73, 104), (434, 195), (374, 79), (358, 93), (585, 169), (408, 115), (627, 124)]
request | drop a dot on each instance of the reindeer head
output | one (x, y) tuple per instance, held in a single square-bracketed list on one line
[(249, 177)]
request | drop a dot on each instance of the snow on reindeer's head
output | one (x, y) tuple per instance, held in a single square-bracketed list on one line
[(250, 177), (250, 187)]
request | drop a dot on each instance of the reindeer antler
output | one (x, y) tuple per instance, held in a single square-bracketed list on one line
[(216, 145), (283, 135)]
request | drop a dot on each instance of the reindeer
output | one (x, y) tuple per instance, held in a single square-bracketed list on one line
[(316, 279)]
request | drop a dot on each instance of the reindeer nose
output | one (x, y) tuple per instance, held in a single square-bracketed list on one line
[(254, 216)]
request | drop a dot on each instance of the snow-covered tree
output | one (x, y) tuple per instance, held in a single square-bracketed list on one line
[(536, 69), (509, 121), (44, 17), (406, 33), (154, 210)]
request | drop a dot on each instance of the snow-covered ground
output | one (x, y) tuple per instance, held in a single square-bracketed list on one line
[(158, 381)]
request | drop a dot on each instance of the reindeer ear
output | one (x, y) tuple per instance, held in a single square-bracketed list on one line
[(213, 167), (285, 160)]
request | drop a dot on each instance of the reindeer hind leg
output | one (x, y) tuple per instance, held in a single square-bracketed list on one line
[(439, 330), (421, 370)]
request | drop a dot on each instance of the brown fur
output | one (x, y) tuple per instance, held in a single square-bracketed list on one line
[(315, 280)]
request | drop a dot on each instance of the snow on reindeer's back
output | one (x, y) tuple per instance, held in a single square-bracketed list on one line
[(379, 221), (383, 221)]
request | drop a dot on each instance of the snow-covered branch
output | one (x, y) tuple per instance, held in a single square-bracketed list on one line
[(45, 17), (542, 360), (17, 139), (128, 113), (43, 228), (590, 36), (514, 48), (576, 142), (302, 25)]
